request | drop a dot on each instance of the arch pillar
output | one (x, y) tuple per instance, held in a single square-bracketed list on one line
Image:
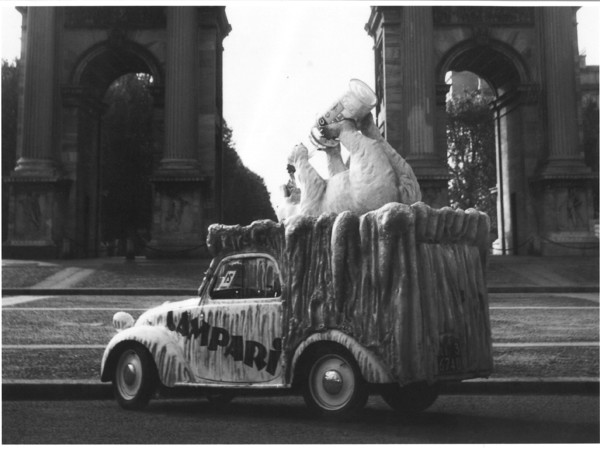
[(563, 186), (185, 183), (412, 106), (510, 176), (37, 187)]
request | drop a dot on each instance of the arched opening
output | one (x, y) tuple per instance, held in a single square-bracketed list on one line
[(126, 164), (115, 119), (504, 74), (471, 148)]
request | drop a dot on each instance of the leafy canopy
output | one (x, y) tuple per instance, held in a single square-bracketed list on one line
[(471, 153)]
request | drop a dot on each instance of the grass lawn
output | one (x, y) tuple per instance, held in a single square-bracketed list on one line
[(541, 325), (25, 326), (56, 327), (20, 326), (178, 275), (504, 300), (51, 364), (26, 276), (546, 362)]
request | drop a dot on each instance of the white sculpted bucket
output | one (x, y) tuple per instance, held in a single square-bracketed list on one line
[(354, 104)]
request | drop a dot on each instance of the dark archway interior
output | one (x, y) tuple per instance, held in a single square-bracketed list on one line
[(111, 64), (491, 65), (127, 162), (120, 78)]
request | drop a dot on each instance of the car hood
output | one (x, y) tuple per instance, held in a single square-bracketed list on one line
[(158, 314)]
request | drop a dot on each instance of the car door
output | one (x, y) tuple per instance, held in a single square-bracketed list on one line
[(241, 323)]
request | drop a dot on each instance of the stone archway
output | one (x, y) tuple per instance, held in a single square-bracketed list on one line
[(70, 56), (83, 109), (504, 71), (528, 55)]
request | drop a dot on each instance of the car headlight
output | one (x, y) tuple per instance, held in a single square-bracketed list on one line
[(122, 321)]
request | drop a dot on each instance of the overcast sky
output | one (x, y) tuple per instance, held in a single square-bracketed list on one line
[(284, 62)]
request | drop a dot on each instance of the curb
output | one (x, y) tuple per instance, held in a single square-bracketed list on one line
[(91, 390), (193, 292), (511, 386), (589, 289)]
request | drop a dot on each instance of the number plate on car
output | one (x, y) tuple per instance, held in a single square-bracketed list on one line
[(450, 355)]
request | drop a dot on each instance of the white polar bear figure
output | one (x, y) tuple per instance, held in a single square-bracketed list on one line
[(291, 194), (377, 174)]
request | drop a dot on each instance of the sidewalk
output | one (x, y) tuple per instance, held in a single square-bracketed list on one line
[(543, 274), (116, 276)]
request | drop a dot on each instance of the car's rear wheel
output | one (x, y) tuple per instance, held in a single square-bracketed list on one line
[(135, 379), (412, 398), (333, 384)]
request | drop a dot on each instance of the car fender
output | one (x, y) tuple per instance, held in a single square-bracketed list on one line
[(169, 359), (371, 367)]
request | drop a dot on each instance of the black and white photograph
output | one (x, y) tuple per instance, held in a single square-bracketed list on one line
[(285, 222)]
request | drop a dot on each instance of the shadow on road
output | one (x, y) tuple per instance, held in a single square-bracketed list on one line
[(286, 420)]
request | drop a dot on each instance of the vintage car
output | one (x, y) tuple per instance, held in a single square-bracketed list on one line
[(337, 307)]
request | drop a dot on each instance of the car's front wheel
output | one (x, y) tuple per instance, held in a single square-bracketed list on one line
[(333, 384), (135, 379)]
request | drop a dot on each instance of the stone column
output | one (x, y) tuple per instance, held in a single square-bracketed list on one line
[(419, 83), (177, 183), (564, 150), (386, 31), (36, 153), (180, 152), (420, 106)]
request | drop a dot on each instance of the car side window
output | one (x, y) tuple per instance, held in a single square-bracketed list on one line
[(246, 277)]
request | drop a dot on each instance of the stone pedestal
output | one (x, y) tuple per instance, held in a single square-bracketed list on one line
[(178, 221), (565, 211), (36, 210)]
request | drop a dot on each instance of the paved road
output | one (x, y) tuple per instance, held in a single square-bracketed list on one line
[(285, 420)]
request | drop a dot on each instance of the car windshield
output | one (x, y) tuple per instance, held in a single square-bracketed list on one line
[(247, 277)]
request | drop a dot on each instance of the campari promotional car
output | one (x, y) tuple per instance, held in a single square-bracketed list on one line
[(335, 308)]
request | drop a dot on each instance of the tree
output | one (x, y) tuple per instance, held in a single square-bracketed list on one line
[(245, 197), (471, 153)]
